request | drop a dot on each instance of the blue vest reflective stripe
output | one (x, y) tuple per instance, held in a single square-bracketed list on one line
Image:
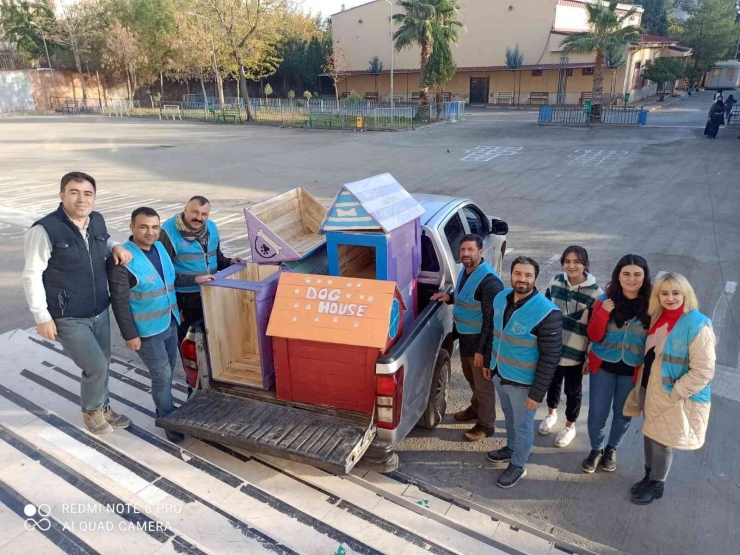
[(676, 351), (515, 347), (626, 343), (152, 301), (189, 259), (467, 311)]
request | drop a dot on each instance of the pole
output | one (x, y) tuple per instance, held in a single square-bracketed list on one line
[(48, 59), (391, 40)]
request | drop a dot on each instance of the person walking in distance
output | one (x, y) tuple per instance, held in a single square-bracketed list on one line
[(66, 287), (527, 346), (145, 307), (574, 292), (673, 382), (715, 118), (193, 243), (618, 330), (477, 286)]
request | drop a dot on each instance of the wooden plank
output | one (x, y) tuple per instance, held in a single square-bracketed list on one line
[(212, 312), (288, 207), (285, 224), (356, 261), (265, 206), (312, 212), (246, 312), (309, 243), (266, 270)]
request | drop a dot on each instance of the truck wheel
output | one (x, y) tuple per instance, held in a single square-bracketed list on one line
[(437, 403)]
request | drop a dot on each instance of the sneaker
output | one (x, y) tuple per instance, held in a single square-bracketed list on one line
[(609, 462), (96, 423), (466, 415), (174, 437), (511, 476), (565, 436), (589, 464), (478, 432), (648, 494), (502, 455), (644, 482), (547, 424), (117, 421)]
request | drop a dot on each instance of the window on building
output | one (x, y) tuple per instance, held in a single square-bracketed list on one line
[(569, 72), (716, 71), (536, 73), (588, 71), (730, 73)]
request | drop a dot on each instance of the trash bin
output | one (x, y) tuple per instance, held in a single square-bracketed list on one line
[(587, 106), (626, 97), (546, 114)]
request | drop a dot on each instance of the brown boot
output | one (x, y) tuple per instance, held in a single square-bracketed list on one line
[(96, 423), (478, 432), (466, 415), (116, 420)]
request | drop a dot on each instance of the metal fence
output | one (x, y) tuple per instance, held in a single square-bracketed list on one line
[(614, 115), (734, 118)]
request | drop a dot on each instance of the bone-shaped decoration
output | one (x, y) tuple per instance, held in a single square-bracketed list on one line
[(351, 213)]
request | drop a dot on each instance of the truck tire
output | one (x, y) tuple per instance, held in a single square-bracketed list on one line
[(437, 402)]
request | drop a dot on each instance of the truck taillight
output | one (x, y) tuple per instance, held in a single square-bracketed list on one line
[(189, 360), (388, 399)]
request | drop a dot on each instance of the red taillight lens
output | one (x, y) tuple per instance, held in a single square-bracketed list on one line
[(388, 399), (189, 361)]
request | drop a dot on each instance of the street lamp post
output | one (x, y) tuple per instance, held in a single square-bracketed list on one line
[(48, 59), (391, 39), (215, 62)]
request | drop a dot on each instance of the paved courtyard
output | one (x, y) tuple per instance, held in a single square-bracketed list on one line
[(662, 191)]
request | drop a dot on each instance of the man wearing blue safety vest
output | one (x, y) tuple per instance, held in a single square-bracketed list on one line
[(527, 344), (477, 286), (192, 241), (145, 306)]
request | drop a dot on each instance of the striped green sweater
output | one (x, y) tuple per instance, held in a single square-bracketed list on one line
[(576, 304)]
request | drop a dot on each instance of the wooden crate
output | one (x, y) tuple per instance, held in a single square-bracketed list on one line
[(237, 306), (285, 227)]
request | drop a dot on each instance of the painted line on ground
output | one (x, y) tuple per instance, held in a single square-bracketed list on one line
[(128, 216), (231, 218)]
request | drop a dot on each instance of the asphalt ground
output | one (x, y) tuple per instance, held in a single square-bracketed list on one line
[(662, 191)]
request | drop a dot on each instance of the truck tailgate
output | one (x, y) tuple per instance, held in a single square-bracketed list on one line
[(330, 442)]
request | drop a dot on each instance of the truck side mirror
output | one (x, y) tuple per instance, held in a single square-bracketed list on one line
[(499, 227)]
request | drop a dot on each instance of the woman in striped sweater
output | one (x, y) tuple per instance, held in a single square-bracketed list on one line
[(574, 292)]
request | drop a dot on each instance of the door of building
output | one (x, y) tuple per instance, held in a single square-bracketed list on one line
[(478, 90)]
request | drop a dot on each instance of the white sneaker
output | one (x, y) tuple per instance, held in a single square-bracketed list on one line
[(565, 436), (547, 424)]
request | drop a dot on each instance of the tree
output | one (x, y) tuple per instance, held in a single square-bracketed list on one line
[(268, 89), (336, 67), (711, 31), (655, 17), (441, 66), (375, 67), (417, 25), (608, 33), (514, 60), (662, 71), (22, 24), (191, 45), (124, 54), (78, 27)]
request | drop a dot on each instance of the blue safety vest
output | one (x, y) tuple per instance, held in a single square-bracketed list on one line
[(152, 301), (467, 312), (515, 347), (675, 361), (189, 259), (626, 343)]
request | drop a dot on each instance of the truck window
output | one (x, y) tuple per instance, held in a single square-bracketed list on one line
[(476, 221), (429, 262), (454, 231)]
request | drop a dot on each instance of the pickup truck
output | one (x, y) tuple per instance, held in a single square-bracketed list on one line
[(414, 373)]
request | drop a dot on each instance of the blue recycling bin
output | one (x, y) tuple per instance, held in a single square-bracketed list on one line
[(546, 114), (642, 117)]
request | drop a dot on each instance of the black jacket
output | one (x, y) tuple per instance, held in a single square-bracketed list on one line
[(549, 334), (190, 301), (482, 342), (75, 279)]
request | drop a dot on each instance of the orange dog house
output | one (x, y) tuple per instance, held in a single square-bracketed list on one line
[(327, 333)]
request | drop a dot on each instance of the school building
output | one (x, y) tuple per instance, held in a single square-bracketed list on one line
[(538, 27)]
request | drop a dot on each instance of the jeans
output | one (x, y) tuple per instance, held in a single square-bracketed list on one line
[(483, 400), (608, 392), (573, 378), (159, 354), (519, 421), (87, 342), (658, 458)]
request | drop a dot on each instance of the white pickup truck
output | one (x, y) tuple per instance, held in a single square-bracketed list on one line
[(414, 373)]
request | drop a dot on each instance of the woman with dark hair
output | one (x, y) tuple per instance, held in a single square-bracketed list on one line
[(618, 331), (729, 103), (715, 118), (574, 292)]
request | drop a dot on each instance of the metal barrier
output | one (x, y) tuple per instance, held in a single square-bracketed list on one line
[(620, 115), (624, 115), (562, 114), (734, 118)]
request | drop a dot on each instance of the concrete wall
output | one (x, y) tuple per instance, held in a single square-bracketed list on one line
[(16, 92)]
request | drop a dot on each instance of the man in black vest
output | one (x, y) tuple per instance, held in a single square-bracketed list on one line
[(66, 286)]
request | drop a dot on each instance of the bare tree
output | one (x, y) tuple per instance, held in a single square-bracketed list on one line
[(193, 51), (78, 26), (124, 54), (336, 67)]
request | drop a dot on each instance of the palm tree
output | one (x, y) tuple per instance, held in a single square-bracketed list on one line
[(417, 27), (608, 34)]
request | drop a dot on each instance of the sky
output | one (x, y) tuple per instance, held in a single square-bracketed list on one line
[(328, 7)]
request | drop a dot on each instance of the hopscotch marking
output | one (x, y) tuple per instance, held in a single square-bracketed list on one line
[(593, 157), (488, 153)]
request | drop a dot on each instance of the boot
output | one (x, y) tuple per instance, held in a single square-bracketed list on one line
[(609, 462), (96, 423), (645, 496), (644, 482), (466, 415)]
